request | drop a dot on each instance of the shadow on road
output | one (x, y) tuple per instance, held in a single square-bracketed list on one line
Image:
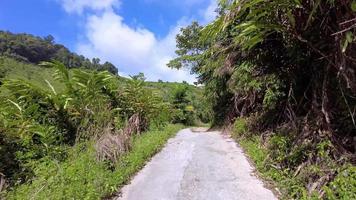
[(199, 129)]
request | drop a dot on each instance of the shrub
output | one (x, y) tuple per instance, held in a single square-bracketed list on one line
[(344, 184), (240, 127), (299, 171), (81, 176), (183, 109), (39, 121)]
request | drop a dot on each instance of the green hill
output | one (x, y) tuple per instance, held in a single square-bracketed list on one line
[(33, 49), (11, 68), (38, 75)]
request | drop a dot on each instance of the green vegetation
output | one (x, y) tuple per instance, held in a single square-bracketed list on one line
[(274, 154), (81, 133), (288, 67), (190, 99), (183, 111), (282, 72), (12, 69), (37, 75), (80, 176), (62, 128), (28, 48)]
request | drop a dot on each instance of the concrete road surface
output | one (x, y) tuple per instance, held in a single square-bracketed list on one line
[(197, 166)]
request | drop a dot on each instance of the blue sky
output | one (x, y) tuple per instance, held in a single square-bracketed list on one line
[(135, 35)]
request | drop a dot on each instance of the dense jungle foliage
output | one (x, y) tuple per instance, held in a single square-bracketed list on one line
[(29, 48), (57, 121), (287, 68)]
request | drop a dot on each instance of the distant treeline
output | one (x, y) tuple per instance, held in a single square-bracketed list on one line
[(34, 49)]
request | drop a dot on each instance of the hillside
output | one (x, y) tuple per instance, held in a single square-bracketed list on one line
[(38, 75), (32, 49), (13, 69)]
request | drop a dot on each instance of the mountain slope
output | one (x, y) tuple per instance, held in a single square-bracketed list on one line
[(32, 49)]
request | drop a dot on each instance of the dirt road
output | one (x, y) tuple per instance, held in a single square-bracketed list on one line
[(197, 166)]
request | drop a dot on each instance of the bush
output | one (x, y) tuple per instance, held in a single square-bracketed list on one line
[(81, 176), (290, 167), (272, 60), (240, 127), (183, 109), (344, 184), (40, 121)]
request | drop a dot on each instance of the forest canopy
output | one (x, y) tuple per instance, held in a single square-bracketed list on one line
[(34, 49)]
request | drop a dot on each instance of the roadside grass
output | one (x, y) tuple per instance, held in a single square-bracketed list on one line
[(286, 181), (275, 177), (81, 176)]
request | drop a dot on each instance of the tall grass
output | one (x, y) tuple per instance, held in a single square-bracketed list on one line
[(81, 176)]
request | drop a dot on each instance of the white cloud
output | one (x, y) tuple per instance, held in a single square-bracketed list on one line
[(133, 49), (209, 14), (109, 36), (178, 2), (77, 6)]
